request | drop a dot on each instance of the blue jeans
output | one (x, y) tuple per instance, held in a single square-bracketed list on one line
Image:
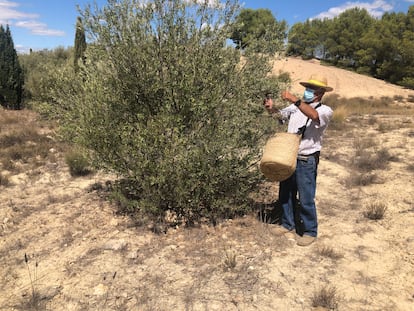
[(301, 218)]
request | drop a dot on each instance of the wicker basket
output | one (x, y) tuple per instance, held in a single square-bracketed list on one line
[(279, 156)]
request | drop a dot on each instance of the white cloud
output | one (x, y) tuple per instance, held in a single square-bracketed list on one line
[(376, 8), (9, 14), (38, 28)]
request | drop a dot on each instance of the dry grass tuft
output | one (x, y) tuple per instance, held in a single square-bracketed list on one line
[(34, 303), (363, 112), (362, 179), (339, 117), (365, 106), (372, 120), (326, 297), (24, 140), (410, 167), (375, 211), (386, 127), (367, 161), (230, 260), (4, 180), (399, 98), (361, 144), (330, 252)]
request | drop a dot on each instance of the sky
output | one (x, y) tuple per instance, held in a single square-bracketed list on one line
[(48, 24)]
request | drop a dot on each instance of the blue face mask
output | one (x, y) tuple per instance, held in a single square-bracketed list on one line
[(308, 95)]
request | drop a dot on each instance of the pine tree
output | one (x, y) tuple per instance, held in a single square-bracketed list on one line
[(80, 43), (11, 74)]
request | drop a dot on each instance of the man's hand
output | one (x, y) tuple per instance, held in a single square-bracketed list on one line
[(268, 104), (288, 96)]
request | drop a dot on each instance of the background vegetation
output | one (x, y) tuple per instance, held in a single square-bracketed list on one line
[(39, 68), (255, 24), (382, 48)]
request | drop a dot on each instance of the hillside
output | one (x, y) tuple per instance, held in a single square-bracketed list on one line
[(345, 83), (64, 247)]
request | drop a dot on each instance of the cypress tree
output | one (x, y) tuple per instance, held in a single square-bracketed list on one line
[(11, 74), (80, 43)]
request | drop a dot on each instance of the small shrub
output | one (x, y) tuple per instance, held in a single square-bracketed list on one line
[(230, 260), (368, 160), (326, 297), (4, 180), (383, 101), (375, 211), (362, 179), (407, 82), (398, 98), (410, 98), (361, 145), (372, 120), (364, 70), (385, 127), (78, 164), (339, 116)]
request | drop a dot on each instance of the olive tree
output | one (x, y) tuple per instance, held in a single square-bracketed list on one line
[(164, 103)]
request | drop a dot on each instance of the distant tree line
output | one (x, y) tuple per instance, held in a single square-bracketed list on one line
[(382, 48), (252, 25)]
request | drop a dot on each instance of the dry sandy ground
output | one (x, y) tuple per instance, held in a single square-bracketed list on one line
[(83, 256)]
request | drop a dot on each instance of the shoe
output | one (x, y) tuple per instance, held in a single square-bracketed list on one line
[(290, 236), (305, 240), (279, 230)]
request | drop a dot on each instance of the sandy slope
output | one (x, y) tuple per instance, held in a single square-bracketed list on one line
[(90, 258), (345, 83)]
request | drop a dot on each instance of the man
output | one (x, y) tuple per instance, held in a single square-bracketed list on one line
[(309, 117)]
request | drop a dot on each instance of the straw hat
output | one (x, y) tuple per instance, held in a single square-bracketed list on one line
[(318, 81)]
